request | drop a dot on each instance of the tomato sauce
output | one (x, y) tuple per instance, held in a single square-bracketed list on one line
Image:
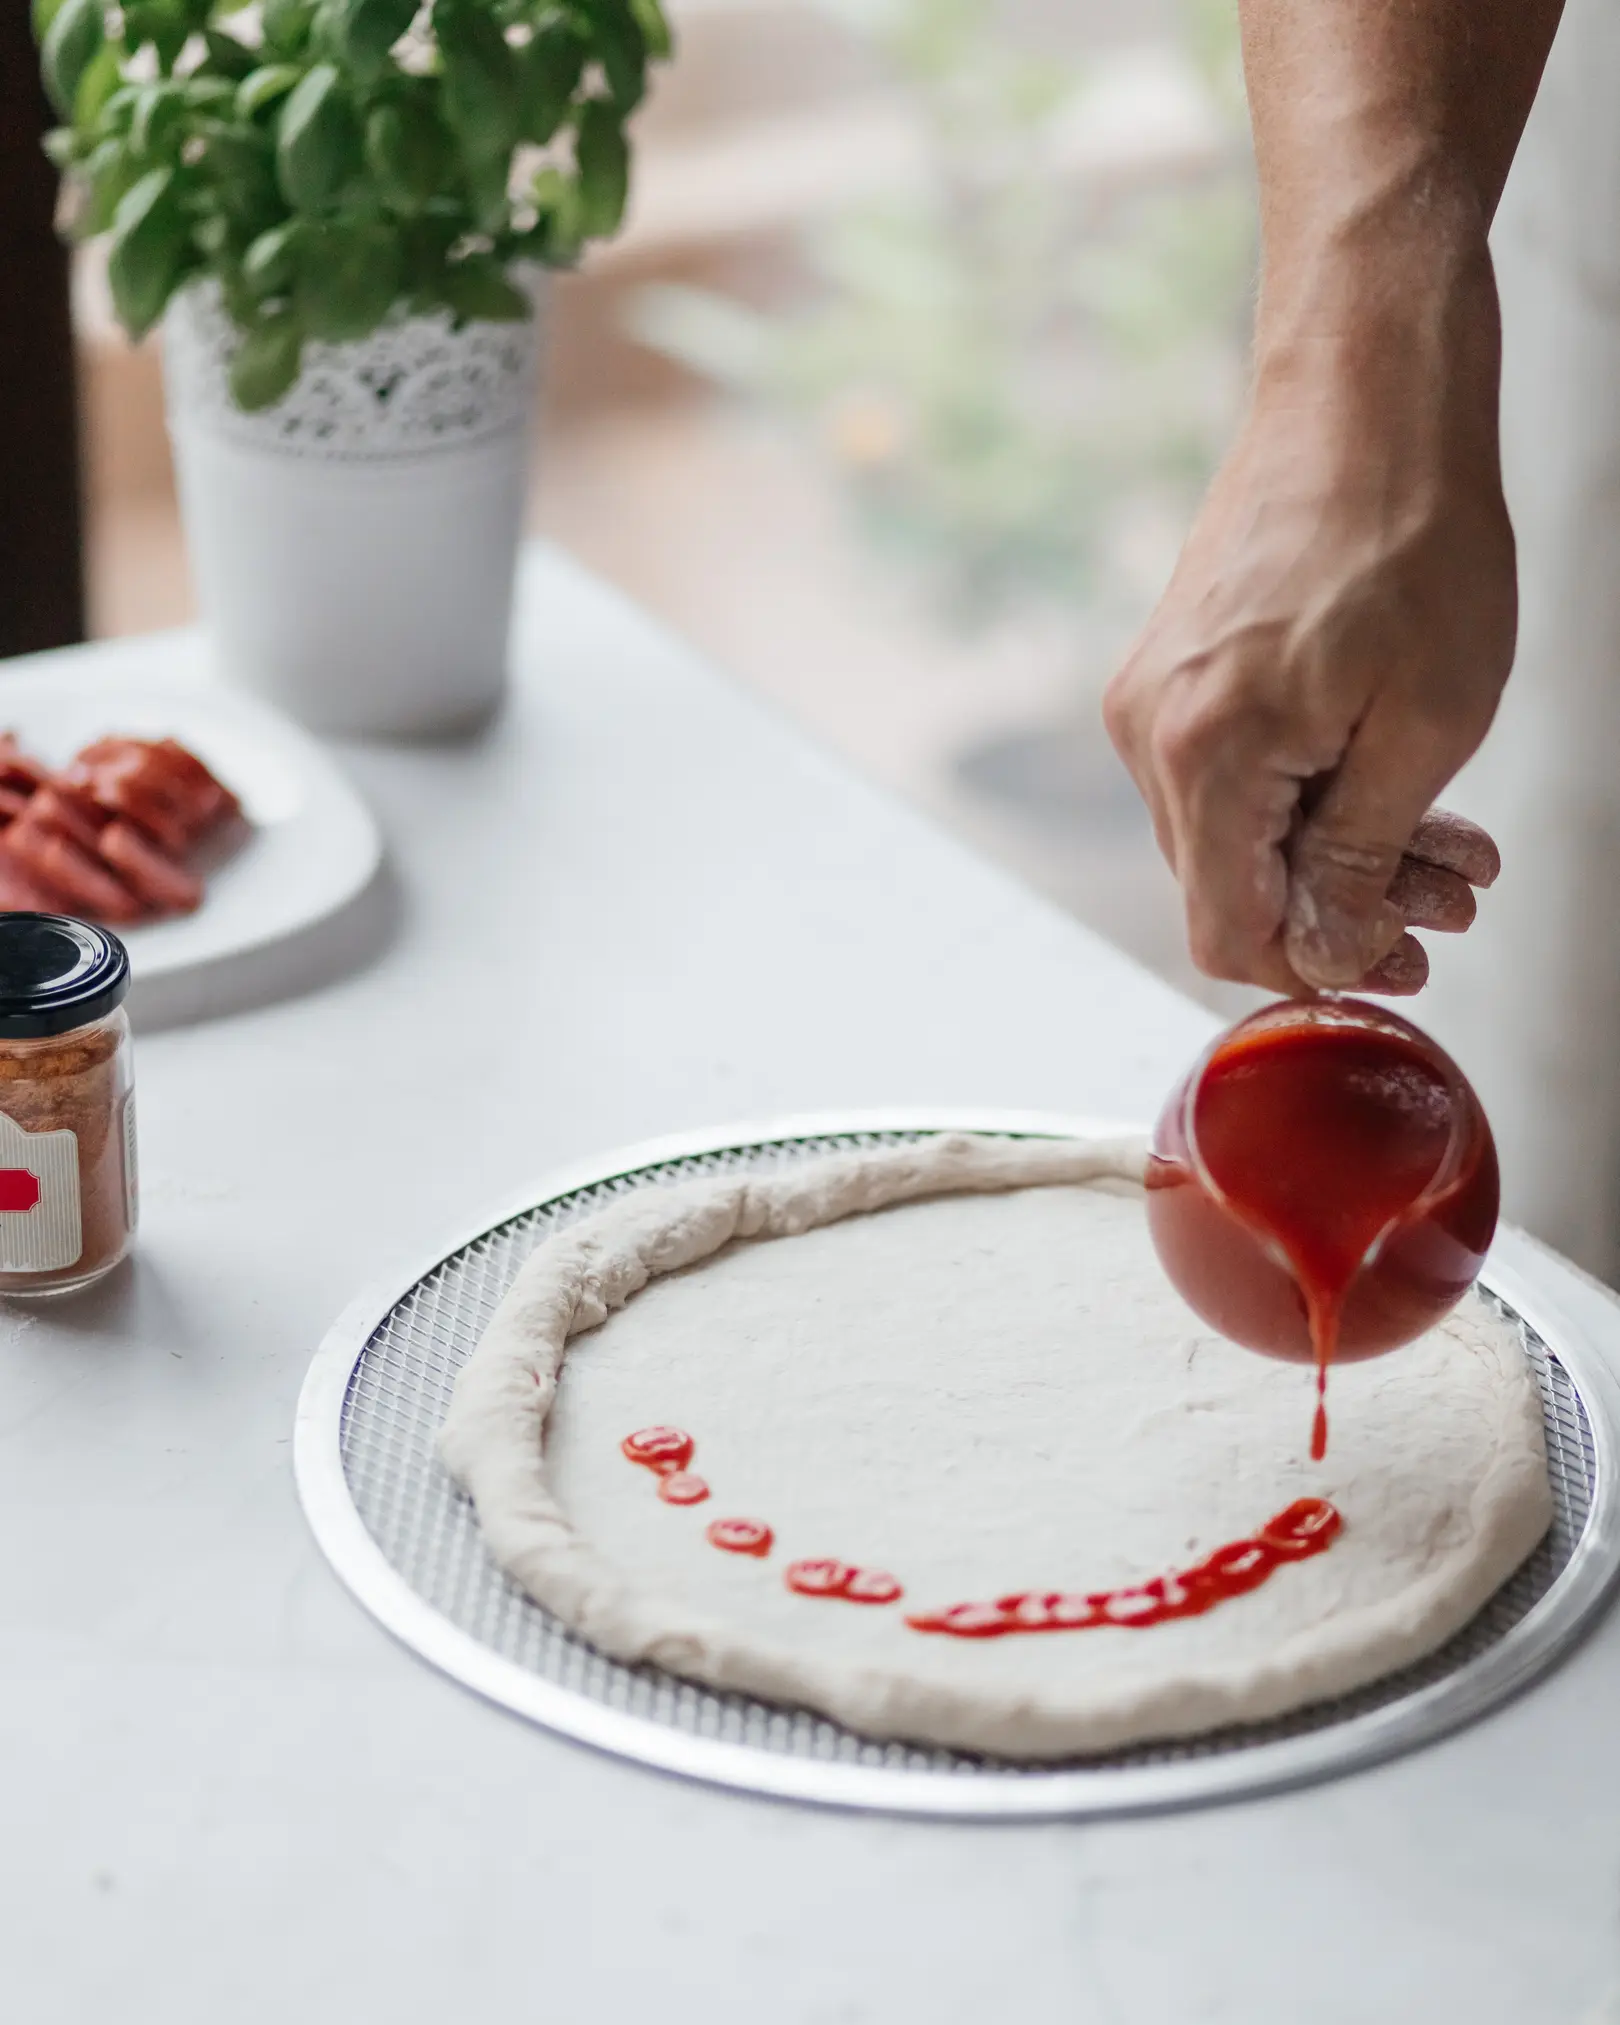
[(841, 1579), (661, 1449), (681, 1487), (740, 1536), (1308, 1526)]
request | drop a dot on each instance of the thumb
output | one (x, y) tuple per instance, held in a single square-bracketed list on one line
[(1339, 923)]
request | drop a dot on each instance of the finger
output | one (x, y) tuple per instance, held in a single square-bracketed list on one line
[(1444, 838), (1270, 969), (1231, 808), (1340, 923), (1121, 720), (1427, 896), (1402, 973)]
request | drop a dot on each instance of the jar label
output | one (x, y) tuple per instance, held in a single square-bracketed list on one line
[(40, 1225)]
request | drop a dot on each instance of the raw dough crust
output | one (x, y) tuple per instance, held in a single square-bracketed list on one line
[(959, 1361)]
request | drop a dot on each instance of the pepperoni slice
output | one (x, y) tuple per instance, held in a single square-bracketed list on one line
[(17, 771), (210, 792), (22, 892), (166, 887), (70, 812), (87, 886), (116, 783)]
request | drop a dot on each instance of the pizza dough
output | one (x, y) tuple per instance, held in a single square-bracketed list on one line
[(960, 1362)]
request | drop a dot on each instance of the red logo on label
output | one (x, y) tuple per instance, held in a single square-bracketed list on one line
[(19, 1190)]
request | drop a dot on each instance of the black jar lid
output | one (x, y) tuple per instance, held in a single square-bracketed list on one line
[(56, 974)]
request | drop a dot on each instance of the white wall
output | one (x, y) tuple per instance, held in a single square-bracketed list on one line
[(1530, 1000)]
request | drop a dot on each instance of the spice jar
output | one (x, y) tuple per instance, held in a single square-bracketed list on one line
[(67, 1111)]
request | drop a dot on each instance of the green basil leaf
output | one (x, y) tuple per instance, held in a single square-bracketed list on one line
[(549, 68), (157, 123), (362, 32), (216, 95), (115, 116), (285, 25), (603, 158), (165, 24), (623, 56), (227, 57), (318, 143), (111, 171), (559, 231), (426, 243), (149, 245), (266, 362), (238, 162), (477, 291), (42, 14), (243, 310), (408, 153), (75, 34), (100, 81), (62, 147), (482, 95), (265, 87), (650, 19), (268, 266), (215, 234), (485, 177), (348, 275)]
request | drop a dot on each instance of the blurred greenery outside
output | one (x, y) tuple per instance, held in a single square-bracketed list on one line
[(1010, 365)]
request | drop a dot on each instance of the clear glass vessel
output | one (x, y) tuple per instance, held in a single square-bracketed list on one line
[(1323, 1183)]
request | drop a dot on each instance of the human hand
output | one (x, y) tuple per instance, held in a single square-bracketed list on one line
[(1329, 652)]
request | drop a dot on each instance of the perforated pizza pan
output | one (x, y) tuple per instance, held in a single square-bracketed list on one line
[(406, 1541)]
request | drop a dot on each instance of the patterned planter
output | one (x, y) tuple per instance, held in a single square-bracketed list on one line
[(354, 545)]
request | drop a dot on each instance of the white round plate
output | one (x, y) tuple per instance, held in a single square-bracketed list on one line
[(312, 846)]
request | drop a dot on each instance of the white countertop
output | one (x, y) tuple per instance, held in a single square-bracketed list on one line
[(641, 905)]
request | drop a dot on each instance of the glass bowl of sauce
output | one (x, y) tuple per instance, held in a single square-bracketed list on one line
[(1323, 1184)]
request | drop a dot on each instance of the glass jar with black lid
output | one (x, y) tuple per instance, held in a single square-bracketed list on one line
[(67, 1108)]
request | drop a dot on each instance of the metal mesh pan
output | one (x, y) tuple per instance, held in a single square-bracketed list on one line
[(406, 1542)]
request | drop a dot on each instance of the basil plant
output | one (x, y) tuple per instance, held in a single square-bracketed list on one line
[(331, 163)]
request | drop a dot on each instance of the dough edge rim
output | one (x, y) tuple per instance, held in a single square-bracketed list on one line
[(492, 1442)]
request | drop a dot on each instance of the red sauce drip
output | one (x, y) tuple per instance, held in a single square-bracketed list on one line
[(1309, 1526), (664, 1449), (680, 1487), (840, 1578), (1324, 1141), (741, 1536)]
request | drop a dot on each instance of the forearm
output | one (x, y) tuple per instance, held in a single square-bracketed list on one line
[(1384, 130), (1368, 110)]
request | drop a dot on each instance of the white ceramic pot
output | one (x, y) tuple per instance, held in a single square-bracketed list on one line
[(353, 547)]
